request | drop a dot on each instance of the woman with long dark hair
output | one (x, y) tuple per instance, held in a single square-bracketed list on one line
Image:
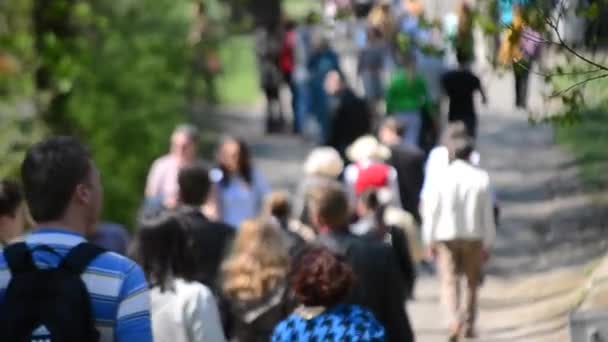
[(182, 309), (377, 223), (240, 187)]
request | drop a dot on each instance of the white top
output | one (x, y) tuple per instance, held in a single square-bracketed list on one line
[(436, 163), (186, 314), (460, 207)]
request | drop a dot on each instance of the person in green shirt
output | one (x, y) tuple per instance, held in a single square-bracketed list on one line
[(406, 96)]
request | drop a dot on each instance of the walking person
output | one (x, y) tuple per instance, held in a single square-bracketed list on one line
[(520, 48), (371, 67), (322, 282), (322, 61), (268, 49), (241, 188), (380, 285), (182, 309), (45, 274), (369, 170), (351, 115), (408, 161), (460, 86), (406, 96), (254, 281), (161, 186), (374, 225), (323, 166), (460, 230), (12, 213), (301, 77), (210, 239)]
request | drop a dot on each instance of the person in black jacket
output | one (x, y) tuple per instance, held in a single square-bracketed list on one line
[(380, 282), (408, 161), (351, 114), (372, 225), (212, 239)]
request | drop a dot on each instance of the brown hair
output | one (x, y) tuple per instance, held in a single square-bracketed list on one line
[(330, 204), (277, 205), (322, 278)]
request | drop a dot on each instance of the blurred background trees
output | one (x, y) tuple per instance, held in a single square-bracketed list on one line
[(119, 75)]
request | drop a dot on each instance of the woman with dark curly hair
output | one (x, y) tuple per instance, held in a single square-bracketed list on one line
[(321, 283)]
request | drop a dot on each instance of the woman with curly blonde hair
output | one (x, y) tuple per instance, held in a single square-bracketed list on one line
[(254, 281)]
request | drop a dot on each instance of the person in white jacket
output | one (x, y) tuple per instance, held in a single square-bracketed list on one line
[(182, 310), (459, 231)]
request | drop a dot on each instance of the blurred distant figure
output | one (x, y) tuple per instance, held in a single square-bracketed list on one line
[(322, 282), (12, 212), (460, 231), (111, 236), (369, 170), (268, 49), (408, 161), (520, 48), (301, 75), (370, 67), (406, 96), (323, 166), (182, 309), (460, 86), (464, 42), (287, 59), (255, 281), (381, 18), (380, 284), (161, 186), (351, 115), (323, 60), (240, 187)]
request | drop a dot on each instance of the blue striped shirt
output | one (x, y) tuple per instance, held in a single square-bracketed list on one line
[(117, 286)]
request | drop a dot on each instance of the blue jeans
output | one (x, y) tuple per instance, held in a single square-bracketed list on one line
[(413, 124), (301, 93)]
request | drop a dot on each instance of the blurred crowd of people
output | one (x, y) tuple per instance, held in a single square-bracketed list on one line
[(218, 255)]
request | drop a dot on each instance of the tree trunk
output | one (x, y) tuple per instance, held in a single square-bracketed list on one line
[(52, 21)]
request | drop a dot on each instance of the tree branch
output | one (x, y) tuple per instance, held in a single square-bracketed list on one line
[(571, 50), (578, 84), (573, 73)]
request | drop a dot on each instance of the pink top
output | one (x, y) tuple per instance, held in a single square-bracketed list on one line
[(162, 179)]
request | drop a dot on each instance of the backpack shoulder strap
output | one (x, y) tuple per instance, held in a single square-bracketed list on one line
[(19, 258), (79, 257)]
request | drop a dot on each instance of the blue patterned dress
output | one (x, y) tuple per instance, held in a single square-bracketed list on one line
[(343, 323)]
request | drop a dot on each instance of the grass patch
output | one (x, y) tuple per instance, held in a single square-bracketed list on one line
[(588, 141), (298, 9), (238, 82)]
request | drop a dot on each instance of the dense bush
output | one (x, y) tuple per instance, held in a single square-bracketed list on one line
[(121, 70)]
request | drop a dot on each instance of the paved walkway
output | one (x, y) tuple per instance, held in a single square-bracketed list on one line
[(547, 236)]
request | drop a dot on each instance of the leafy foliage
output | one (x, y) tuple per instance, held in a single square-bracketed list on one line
[(120, 75)]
